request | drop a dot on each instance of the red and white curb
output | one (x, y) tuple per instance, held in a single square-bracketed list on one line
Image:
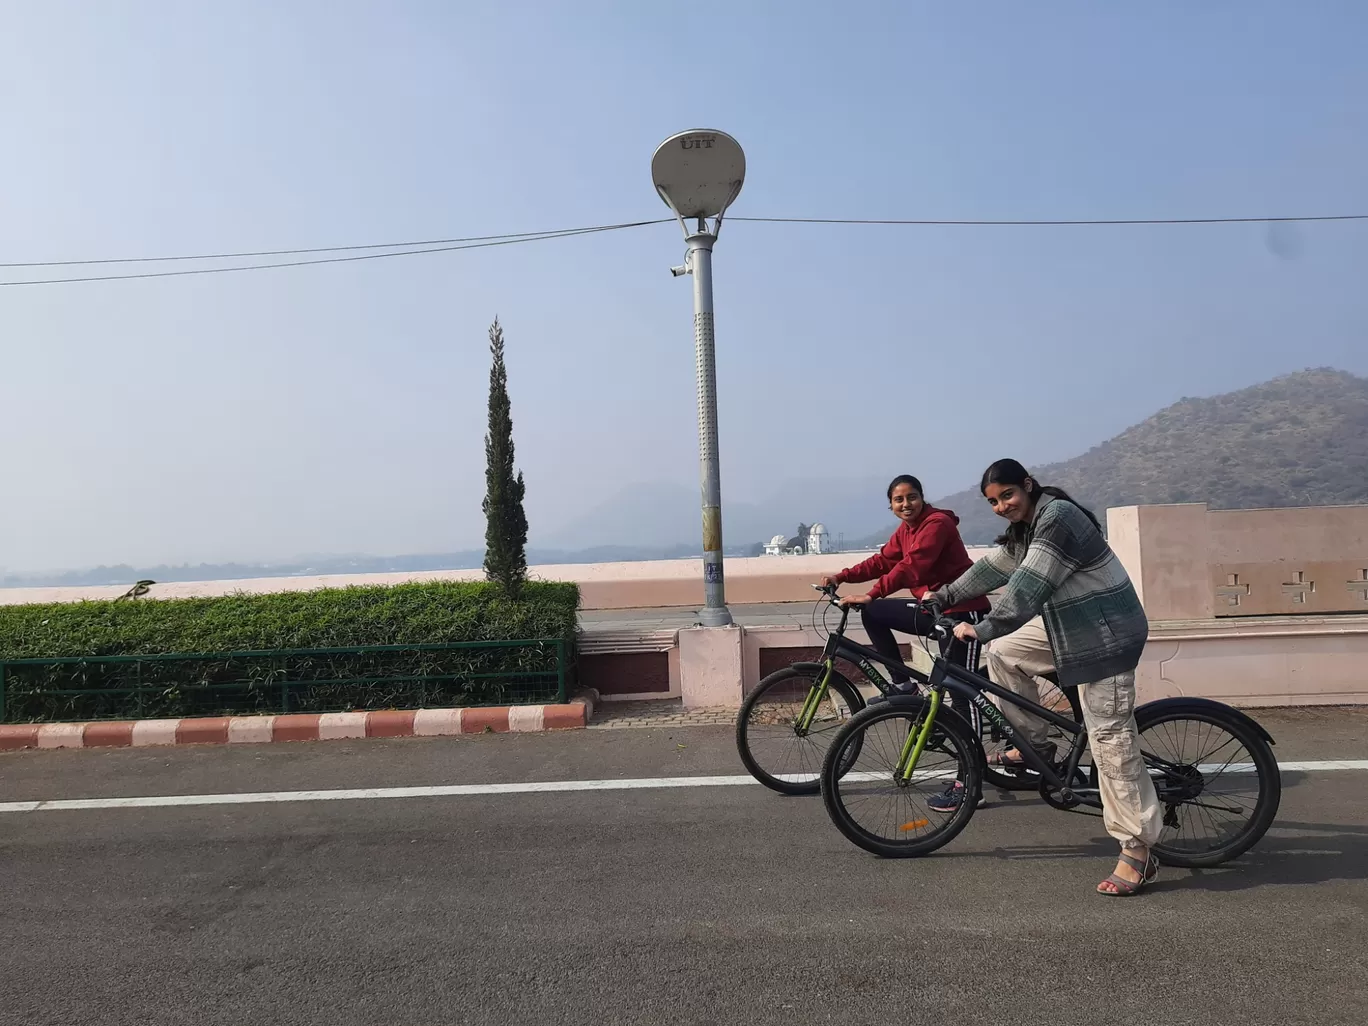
[(233, 730)]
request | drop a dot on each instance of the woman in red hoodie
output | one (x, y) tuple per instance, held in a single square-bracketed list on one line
[(924, 554)]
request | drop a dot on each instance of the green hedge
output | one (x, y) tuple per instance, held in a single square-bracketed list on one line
[(430, 614)]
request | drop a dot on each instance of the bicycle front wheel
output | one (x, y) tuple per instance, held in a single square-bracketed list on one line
[(872, 805), (772, 747)]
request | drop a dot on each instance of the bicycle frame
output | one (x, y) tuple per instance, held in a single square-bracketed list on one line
[(862, 656), (948, 677), (929, 727), (976, 689), (944, 677), (838, 646)]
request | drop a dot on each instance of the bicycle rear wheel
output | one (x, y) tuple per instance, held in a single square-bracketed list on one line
[(1217, 779), (772, 748), (875, 809)]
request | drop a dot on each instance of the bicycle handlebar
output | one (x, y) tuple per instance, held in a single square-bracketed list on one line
[(943, 628), (943, 625), (829, 591)]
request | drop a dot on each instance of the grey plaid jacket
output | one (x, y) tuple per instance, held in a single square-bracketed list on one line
[(1068, 574)]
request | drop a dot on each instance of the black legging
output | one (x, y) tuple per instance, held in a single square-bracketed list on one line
[(882, 617)]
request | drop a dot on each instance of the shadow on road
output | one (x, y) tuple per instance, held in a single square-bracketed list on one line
[(1314, 853), (1293, 852)]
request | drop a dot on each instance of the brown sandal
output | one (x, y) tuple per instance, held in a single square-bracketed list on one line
[(1148, 870), (1000, 760)]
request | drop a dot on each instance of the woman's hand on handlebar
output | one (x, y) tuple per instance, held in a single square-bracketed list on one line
[(855, 600), (828, 582), (962, 631)]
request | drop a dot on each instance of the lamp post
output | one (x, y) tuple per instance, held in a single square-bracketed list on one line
[(698, 174)]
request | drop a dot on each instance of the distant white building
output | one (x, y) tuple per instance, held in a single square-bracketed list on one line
[(816, 542), (776, 545), (819, 540)]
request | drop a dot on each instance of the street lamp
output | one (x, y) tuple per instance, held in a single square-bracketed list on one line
[(698, 174)]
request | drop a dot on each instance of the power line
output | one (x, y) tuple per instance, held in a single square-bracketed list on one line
[(422, 247), (326, 249), (498, 241), (242, 255), (1027, 223)]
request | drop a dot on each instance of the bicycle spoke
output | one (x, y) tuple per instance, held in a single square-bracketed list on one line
[(773, 740), (1201, 777), (873, 798)]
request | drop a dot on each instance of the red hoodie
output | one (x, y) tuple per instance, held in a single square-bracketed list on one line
[(923, 555)]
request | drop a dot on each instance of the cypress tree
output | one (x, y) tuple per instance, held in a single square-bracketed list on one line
[(505, 560)]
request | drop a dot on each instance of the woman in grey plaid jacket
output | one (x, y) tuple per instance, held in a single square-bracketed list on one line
[(1054, 563)]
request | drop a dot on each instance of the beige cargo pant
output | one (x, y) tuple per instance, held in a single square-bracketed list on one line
[(1130, 807)]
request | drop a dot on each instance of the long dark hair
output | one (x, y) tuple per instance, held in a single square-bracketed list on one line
[(1010, 472), (905, 479)]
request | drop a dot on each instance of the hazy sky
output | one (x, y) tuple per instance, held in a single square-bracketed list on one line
[(341, 408)]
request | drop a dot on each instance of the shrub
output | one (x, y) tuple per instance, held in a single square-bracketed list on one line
[(264, 635)]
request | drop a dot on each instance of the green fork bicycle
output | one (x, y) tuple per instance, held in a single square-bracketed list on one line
[(1212, 766), (787, 722)]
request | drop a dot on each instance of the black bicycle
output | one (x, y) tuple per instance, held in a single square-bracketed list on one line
[(1212, 766), (787, 722)]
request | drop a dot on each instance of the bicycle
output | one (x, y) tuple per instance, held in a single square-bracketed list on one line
[(914, 747), (802, 706)]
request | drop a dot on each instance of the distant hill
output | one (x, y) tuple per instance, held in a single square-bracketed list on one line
[(1298, 440)]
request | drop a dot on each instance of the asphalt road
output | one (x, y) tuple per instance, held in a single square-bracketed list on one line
[(690, 905)]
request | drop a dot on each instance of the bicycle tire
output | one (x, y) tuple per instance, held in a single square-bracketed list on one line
[(839, 683), (1264, 765), (837, 771)]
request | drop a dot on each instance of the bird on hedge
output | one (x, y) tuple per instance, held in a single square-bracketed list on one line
[(137, 591)]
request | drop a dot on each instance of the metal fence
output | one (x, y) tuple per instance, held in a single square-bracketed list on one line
[(462, 673)]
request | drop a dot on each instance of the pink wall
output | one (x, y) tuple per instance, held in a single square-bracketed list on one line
[(1192, 563), (1317, 534)]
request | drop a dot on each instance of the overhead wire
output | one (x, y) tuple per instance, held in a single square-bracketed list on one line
[(1048, 223), (430, 246), (498, 241), (327, 249)]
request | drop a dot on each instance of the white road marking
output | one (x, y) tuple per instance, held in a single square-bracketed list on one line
[(530, 787), (1323, 766)]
